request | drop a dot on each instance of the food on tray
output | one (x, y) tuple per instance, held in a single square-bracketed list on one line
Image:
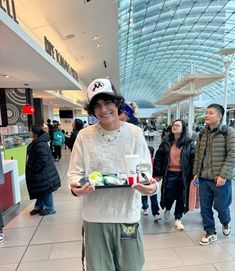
[(96, 178), (112, 180)]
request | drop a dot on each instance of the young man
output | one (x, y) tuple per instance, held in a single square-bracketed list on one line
[(113, 239), (213, 165)]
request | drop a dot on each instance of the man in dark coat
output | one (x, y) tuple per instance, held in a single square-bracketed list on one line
[(42, 177)]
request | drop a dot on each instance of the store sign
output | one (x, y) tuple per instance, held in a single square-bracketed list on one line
[(9, 7), (52, 51)]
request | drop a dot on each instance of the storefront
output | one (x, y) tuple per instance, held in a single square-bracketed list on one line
[(25, 67)]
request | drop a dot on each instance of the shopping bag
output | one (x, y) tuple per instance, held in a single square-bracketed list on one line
[(193, 202)]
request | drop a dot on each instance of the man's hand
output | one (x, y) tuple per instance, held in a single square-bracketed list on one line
[(147, 189), (220, 181), (79, 190)]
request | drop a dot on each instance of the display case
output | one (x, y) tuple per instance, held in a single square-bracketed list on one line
[(11, 141)]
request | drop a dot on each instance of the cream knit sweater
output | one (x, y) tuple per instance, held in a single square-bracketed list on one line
[(92, 152)]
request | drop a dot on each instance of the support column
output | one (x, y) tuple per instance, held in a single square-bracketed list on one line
[(191, 109), (191, 116), (169, 115), (177, 110), (29, 100), (226, 65)]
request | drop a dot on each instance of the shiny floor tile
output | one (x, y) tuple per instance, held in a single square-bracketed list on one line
[(71, 264), (57, 233), (161, 258), (202, 254)]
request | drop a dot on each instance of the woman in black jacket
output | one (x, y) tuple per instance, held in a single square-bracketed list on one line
[(174, 163), (42, 177), (77, 126)]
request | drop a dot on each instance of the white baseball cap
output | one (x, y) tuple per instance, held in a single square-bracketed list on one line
[(99, 86)]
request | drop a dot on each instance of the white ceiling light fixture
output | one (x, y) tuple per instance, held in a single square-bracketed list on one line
[(98, 45)]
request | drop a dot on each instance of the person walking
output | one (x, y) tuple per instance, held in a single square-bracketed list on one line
[(213, 166), (77, 126), (174, 163), (111, 217), (58, 141), (42, 178)]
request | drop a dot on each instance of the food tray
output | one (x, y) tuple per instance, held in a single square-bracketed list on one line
[(112, 186)]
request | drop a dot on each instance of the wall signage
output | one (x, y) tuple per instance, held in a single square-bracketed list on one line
[(9, 7), (52, 51)]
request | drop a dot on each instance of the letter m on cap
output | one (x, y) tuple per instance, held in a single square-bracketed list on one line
[(97, 86)]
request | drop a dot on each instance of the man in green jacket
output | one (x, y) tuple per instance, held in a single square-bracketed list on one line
[(213, 166)]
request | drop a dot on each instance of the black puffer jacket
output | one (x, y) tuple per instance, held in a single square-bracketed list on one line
[(161, 162), (41, 174)]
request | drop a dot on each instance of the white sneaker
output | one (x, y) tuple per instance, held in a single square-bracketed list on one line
[(145, 212), (167, 214), (179, 225), (207, 239), (156, 218), (226, 230)]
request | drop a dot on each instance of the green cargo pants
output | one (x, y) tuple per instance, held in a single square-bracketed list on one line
[(113, 247)]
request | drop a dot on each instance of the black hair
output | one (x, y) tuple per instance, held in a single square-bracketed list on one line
[(78, 124), (117, 100), (219, 108), (49, 121), (166, 130), (37, 130), (197, 129), (183, 136)]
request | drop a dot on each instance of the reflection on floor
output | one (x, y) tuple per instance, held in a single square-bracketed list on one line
[(54, 242)]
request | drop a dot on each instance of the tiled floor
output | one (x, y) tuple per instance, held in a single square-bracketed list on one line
[(54, 242)]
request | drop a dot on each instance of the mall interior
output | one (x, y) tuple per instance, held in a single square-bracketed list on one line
[(171, 57)]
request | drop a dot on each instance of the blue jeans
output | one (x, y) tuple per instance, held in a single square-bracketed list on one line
[(220, 197), (174, 192), (45, 202), (154, 204)]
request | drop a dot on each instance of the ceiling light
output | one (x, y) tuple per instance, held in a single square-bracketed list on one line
[(6, 76), (69, 36), (98, 45), (96, 37)]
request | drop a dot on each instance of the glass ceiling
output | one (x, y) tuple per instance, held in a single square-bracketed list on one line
[(160, 39)]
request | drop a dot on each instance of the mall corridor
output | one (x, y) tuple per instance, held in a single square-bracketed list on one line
[(53, 243)]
